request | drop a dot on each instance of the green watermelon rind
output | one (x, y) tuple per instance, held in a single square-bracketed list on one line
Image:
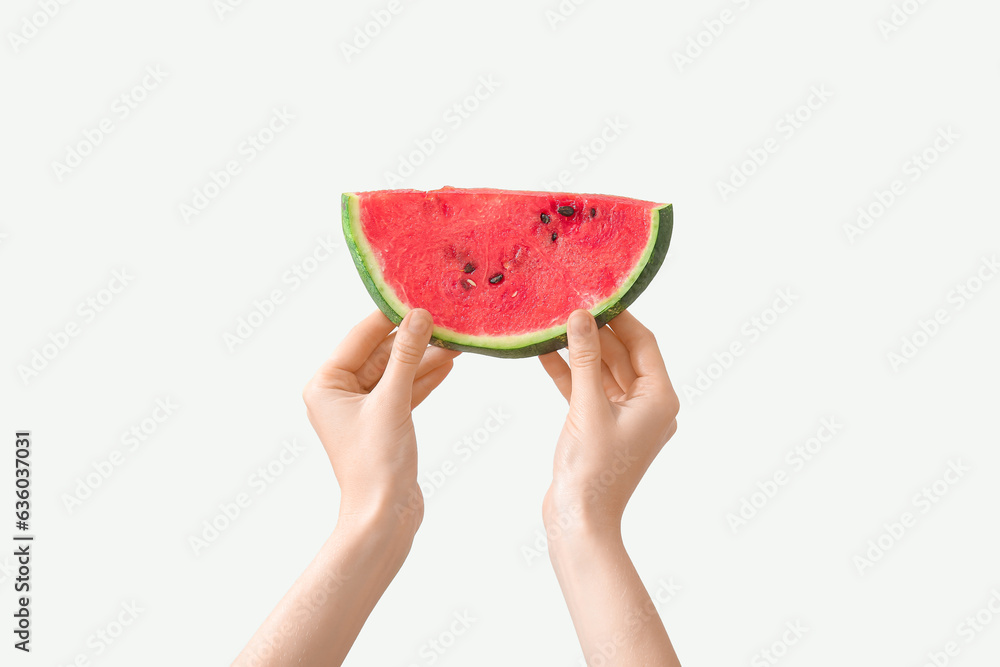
[(507, 347)]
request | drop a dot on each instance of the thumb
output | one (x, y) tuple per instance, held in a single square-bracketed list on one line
[(408, 349), (587, 390)]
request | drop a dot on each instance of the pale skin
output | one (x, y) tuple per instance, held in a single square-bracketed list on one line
[(622, 410)]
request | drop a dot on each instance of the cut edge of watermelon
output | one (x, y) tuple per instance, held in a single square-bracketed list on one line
[(525, 345)]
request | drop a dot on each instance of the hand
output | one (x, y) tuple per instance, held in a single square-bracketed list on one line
[(359, 403), (622, 410)]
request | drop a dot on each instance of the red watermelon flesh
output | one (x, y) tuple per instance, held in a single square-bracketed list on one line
[(501, 270)]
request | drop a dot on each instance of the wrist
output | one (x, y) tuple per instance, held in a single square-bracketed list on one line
[(380, 537), (580, 544), (391, 512), (577, 519)]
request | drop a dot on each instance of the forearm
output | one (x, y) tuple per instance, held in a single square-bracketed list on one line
[(318, 620), (611, 610)]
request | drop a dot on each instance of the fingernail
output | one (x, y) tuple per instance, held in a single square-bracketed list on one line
[(420, 323), (579, 324)]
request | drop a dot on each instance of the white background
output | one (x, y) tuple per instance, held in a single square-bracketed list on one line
[(687, 127)]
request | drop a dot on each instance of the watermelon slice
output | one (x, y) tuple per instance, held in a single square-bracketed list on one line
[(501, 270)]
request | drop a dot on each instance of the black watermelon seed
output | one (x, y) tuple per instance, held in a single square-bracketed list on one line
[(545, 218), (566, 210), (593, 212), (497, 279), (554, 236), (469, 268)]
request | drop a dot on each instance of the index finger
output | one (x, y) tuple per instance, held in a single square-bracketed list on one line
[(358, 344), (641, 344)]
